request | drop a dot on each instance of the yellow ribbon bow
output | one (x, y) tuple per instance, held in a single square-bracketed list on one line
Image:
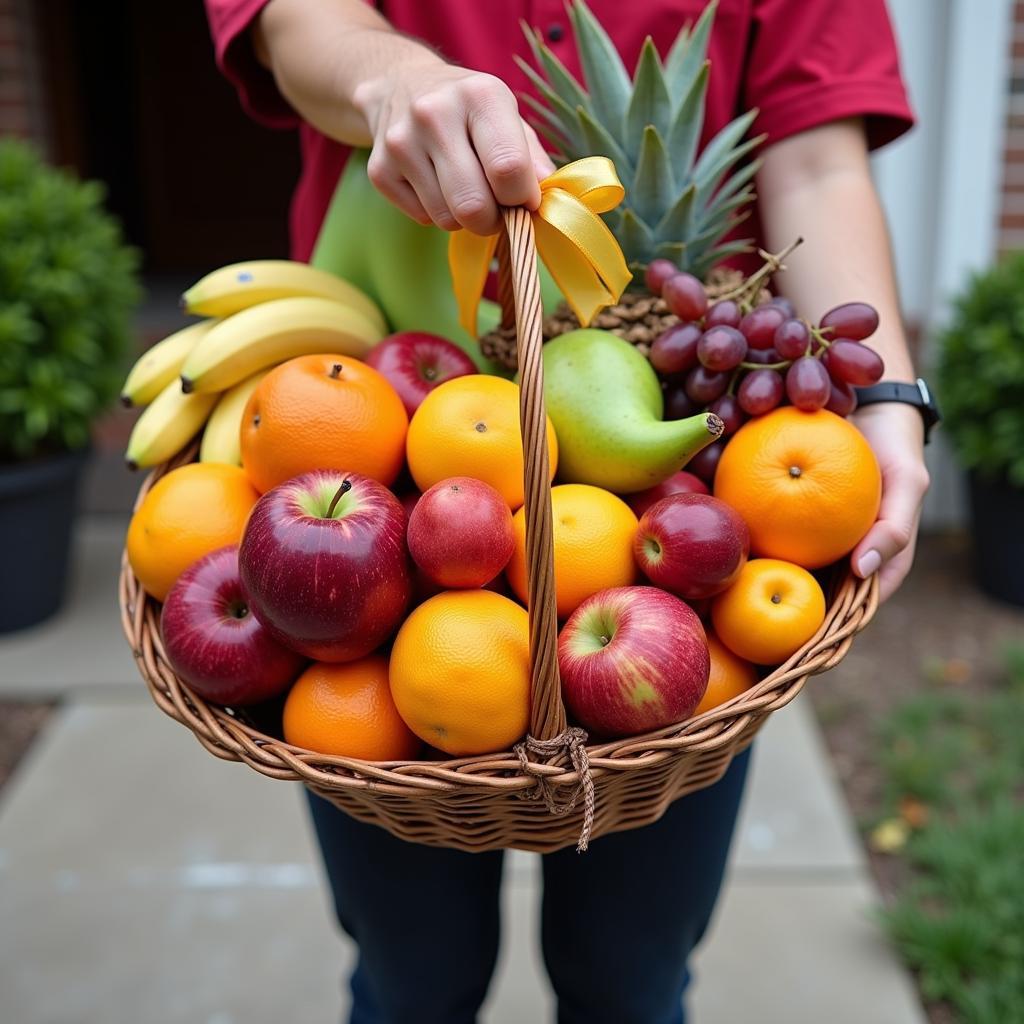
[(582, 254)]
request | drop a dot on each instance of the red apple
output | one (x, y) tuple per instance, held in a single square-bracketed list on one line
[(415, 363), (691, 544), (324, 561), (678, 483), (214, 641), (632, 659), (460, 533)]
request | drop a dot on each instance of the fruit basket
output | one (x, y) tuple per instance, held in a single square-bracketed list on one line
[(554, 788)]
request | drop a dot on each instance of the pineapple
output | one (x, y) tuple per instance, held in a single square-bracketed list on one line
[(679, 204)]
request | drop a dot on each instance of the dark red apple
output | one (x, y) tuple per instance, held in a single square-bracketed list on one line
[(691, 544), (324, 561), (632, 659), (460, 533), (214, 641), (678, 483), (415, 363)]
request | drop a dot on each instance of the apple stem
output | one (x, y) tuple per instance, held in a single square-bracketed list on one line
[(346, 486), (605, 640), (335, 371)]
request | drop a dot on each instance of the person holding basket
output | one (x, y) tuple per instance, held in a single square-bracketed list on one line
[(431, 89)]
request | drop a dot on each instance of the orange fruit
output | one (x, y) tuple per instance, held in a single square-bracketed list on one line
[(469, 426), (730, 676), (348, 710), (323, 412), (460, 672), (807, 484), (593, 531), (188, 513), (770, 612)]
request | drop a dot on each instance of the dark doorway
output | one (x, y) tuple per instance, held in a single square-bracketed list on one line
[(136, 101)]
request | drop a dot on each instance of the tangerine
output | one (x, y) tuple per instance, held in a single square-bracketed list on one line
[(460, 672), (806, 483), (323, 412), (593, 533), (730, 676), (189, 512), (469, 426), (348, 710), (770, 612)]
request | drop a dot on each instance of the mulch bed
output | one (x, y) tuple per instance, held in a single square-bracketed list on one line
[(938, 633)]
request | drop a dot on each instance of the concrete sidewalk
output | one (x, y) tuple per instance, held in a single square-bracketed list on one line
[(142, 881)]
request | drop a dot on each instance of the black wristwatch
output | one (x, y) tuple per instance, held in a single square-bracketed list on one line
[(916, 394)]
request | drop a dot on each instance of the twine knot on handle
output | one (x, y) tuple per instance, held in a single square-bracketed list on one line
[(572, 742)]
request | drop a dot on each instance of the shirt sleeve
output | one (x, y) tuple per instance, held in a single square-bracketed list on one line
[(230, 21), (814, 61)]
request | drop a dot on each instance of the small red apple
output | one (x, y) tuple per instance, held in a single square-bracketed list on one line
[(324, 561), (460, 533), (691, 544), (678, 483), (214, 641), (632, 659), (415, 363)]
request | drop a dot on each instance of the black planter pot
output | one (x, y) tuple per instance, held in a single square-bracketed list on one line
[(997, 514), (38, 500)]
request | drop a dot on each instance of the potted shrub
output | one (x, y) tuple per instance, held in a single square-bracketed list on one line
[(67, 289), (981, 390)]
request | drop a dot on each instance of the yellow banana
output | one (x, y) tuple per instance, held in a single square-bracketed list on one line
[(272, 332), (222, 436), (241, 285), (161, 364), (167, 425)]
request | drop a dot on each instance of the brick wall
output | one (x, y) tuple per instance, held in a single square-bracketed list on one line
[(1011, 207), (21, 100)]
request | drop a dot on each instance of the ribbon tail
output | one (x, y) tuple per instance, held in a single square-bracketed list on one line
[(469, 260), (572, 271), (582, 254)]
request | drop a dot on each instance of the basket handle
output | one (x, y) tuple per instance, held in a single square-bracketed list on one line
[(519, 294)]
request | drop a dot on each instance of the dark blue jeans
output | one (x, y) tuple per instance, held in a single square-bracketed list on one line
[(618, 922)]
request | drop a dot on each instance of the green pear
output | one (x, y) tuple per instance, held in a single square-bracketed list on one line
[(605, 402)]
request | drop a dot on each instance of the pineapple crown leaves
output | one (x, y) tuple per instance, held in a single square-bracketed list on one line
[(679, 204)]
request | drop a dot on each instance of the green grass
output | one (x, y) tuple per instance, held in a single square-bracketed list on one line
[(960, 920)]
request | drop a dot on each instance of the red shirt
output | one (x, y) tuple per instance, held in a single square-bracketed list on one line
[(803, 63)]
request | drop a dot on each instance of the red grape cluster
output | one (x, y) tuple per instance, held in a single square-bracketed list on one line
[(739, 360)]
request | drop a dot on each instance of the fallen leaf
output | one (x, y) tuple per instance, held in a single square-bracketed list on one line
[(913, 812), (890, 836)]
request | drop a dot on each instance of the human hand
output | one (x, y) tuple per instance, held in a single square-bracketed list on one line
[(896, 434), (449, 146)]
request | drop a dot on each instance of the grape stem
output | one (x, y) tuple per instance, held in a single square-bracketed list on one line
[(744, 294), (767, 366)]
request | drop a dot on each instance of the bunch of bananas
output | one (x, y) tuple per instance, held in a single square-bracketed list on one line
[(261, 313)]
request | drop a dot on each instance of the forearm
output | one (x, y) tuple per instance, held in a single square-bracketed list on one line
[(818, 185), (327, 55)]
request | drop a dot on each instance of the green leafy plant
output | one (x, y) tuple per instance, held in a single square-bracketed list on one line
[(981, 373), (67, 289)]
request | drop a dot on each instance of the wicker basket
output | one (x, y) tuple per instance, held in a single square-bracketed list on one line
[(553, 789)]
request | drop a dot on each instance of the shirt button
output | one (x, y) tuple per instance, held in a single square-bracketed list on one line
[(555, 32)]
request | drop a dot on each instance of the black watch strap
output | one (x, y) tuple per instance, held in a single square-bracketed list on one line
[(916, 394)]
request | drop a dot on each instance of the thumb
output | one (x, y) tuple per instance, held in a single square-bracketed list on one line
[(896, 525)]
